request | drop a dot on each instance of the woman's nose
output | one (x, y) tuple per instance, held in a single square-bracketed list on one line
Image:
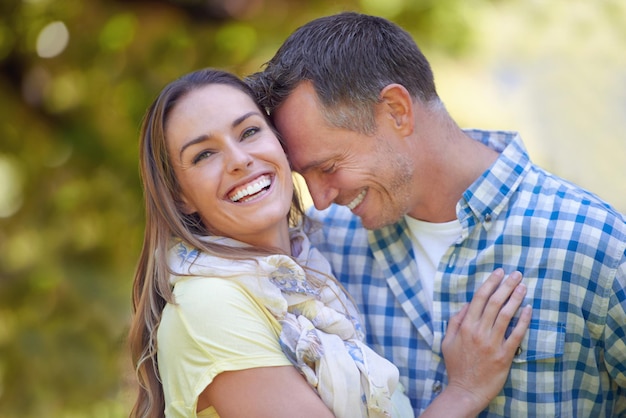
[(238, 158)]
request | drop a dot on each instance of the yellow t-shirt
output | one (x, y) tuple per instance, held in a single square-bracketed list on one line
[(215, 326), (210, 412)]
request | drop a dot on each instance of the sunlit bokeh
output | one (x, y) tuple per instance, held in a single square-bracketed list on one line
[(556, 75), (52, 40), (11, 193)]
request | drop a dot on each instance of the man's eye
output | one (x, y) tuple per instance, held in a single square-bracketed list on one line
[(329, 170)]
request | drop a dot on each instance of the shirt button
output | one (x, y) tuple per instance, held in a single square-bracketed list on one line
[(488, 217), (518, 351), (452, 260), (437, 387)]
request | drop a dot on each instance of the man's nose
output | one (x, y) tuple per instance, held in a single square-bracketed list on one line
[(322, 193)]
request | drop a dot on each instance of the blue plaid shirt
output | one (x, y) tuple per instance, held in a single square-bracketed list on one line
[(569, 245)]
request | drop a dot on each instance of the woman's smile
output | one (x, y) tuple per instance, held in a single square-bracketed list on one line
[(251, 190)]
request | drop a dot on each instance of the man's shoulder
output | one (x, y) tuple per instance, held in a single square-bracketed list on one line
[(575, 203)]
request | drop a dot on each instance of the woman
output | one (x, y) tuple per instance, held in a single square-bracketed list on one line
[(229, 296)]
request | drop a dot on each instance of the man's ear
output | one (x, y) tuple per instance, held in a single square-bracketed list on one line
[(397, 102)]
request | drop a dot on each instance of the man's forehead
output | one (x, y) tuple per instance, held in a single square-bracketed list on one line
[(302, 127), (305, 157)]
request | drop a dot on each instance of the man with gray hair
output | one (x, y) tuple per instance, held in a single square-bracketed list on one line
[(416, 213)]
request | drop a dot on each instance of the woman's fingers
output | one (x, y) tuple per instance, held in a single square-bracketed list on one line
[(476, 351), (455, 322), (492, 308), (517, 335), (499, 309), (503, 302), (482, 295), (513, 301)]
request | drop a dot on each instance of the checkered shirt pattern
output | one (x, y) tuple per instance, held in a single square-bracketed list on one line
[(570, 247)]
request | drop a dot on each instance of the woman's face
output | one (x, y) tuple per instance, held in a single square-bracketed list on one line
[(231, 168)]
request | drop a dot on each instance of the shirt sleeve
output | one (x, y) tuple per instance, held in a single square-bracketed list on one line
[(615, 333), (215, 326)]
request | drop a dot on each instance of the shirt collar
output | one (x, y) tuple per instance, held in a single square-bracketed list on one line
[(492, 191)]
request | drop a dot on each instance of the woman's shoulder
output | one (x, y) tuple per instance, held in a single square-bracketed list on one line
[(208, 312), (197, 296)]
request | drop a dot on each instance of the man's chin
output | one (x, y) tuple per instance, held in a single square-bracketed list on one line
[(385, 216), (372, 223)]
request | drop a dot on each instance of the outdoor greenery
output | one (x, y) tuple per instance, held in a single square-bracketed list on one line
[(75, 79)]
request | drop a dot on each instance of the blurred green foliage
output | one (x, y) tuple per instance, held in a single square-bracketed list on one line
[(75, 79)]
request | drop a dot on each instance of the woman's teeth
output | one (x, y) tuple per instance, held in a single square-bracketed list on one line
[(251, 189)]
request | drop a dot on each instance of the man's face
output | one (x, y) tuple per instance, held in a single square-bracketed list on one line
[(371, 175)]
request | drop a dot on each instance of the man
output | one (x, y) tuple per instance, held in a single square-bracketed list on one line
[(416, 212)]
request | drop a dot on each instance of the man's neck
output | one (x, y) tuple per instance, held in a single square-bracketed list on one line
[(457, 162)]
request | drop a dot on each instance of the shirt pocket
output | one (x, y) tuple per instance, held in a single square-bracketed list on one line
[(543, 340), (535, 383)]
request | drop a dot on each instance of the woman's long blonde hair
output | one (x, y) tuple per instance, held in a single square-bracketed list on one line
[(165, 220)]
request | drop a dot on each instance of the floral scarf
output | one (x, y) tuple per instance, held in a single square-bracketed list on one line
[(321, 333)]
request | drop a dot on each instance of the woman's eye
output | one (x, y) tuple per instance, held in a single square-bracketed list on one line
[(201, 156), (249, 132)]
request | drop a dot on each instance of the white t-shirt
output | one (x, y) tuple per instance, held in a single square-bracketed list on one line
[(430, 242)]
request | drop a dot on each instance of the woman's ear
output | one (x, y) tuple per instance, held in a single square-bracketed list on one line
[(184, 206), (396, 101)]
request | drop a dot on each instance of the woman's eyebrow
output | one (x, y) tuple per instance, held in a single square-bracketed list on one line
[(244, 117), (194, 141)]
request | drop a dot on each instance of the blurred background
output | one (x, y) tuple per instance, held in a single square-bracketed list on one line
[(77, 75)]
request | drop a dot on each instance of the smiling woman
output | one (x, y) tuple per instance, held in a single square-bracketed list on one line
[(231, 170), (222, 275), (236, 315)]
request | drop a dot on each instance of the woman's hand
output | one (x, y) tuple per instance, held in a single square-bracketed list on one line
[(478, 357)]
